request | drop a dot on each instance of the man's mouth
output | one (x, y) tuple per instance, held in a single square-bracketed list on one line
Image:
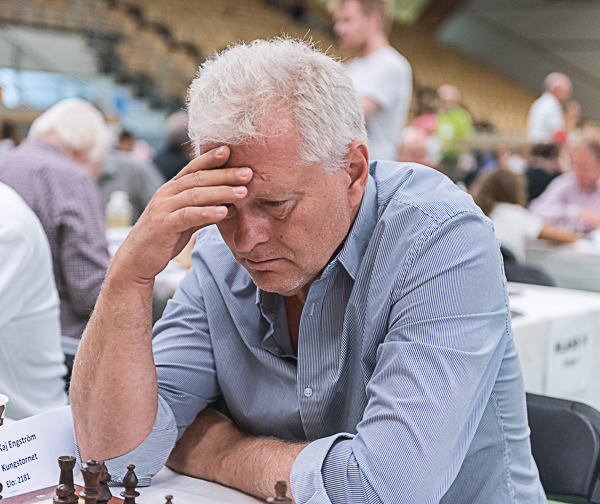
[(262, 265)]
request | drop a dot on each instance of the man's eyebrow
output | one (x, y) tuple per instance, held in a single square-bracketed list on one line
[(267, 194)]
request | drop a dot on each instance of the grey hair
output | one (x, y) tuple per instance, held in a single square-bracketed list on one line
[(78, 124), (239, 94)]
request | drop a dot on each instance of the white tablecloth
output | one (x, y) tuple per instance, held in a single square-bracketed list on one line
[(557, 333)]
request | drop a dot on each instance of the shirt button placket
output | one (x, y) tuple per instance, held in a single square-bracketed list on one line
[(307, 392)]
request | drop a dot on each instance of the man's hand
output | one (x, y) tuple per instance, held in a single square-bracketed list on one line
[(214, 449), (590, 217), (190, 201), (114, 364)]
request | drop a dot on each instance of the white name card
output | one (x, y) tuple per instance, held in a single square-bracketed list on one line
[(570, 355), (29, 450)]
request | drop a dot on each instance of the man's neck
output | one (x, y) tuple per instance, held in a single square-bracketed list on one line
[(376, 42)]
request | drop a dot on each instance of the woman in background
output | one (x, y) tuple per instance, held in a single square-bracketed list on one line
[(502, 195)]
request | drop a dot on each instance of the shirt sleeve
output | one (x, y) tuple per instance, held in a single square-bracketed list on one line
[(84, 250), (447, 333)]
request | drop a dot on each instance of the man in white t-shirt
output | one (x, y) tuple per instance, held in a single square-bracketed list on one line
[(546, 121), (381, 75), (31, 357)]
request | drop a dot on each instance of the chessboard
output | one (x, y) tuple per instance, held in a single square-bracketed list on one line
[(45, 496), (96, 490)]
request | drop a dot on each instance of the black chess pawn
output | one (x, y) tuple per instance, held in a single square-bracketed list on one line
[(91, 475), (130, 481), (169, 499), (66, 464), (104, 480), (280, 490), (63, 493)]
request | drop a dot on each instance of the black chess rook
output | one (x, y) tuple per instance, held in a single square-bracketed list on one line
[(66, 463)]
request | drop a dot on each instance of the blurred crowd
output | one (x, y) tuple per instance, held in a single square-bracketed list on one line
[(73, 175)]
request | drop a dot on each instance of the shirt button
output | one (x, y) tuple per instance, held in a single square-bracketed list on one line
[(307, 391)]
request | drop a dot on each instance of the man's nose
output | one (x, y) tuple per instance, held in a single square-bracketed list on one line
[(250, 231)]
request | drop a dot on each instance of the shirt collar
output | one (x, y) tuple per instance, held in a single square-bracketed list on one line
[(358, 238)]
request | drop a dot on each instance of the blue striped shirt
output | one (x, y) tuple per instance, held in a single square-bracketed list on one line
[(407, 380)]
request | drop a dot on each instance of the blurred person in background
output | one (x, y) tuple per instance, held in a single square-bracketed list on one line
[(122, 171), (543, 167), (178, 151), (502, 195), (546, 119), (454, 128), (414, 146), (54, 171), (31, 358), (382, 77), (573, 199)]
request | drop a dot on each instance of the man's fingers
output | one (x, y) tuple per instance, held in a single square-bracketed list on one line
[(211, 178), (189, 218), (205, 197), (211, 159)]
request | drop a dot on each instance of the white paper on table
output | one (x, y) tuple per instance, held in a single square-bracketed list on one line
[(29, 450), (569, 355)]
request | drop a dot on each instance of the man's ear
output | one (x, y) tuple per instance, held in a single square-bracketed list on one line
[(357, 167)]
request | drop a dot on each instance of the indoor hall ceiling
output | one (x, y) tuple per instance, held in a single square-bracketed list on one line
[(527, 39)]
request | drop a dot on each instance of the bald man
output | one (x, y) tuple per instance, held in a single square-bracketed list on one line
[(546, 121)]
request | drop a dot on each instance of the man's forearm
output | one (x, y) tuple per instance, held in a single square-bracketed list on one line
[(213, 448), (114, 392)]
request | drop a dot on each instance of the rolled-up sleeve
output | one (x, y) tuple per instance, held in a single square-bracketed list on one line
[(447, 334)]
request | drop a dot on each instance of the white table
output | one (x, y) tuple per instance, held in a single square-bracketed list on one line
[(186, 490), (549, 317), (575, 266)]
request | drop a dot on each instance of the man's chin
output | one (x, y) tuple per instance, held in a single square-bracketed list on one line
[(277, 283)]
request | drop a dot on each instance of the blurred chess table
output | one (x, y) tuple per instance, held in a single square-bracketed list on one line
[(572, 266)]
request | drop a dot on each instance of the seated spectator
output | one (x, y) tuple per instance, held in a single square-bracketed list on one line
[(573, 199), (454, 128), (542, 168), (53, 172), (121, 171), (414, 146), (178, 151), (31, 358), (501, 194)]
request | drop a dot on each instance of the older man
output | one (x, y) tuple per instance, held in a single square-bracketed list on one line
[(573, 199), (53, 172), (381, 75), (546, 121), (351, 321)]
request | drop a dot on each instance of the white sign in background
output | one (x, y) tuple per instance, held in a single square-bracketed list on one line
[(570, 349), (29, 451)]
